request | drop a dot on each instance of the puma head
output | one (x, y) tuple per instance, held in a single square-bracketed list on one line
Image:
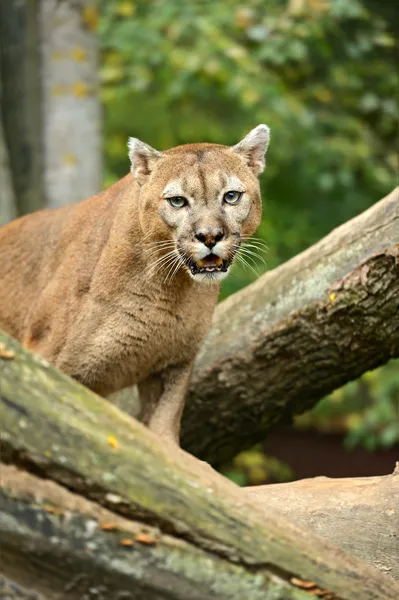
[(199, 201)]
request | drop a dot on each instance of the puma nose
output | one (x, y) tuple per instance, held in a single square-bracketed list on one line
[(210, 237)]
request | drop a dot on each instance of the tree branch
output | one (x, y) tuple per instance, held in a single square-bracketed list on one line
[(359, 515), (56, 428), (299, 332)]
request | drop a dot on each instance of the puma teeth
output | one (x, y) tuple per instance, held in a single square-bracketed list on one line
[(203, 262), (219, 265)]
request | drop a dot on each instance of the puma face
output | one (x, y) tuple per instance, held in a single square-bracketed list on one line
[(198, 202)]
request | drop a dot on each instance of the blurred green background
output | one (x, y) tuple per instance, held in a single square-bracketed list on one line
[(322, 74)]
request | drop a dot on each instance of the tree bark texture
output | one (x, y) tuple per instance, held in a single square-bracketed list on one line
[(104, 553), (8, 207), (360, 515), (337, 509), (57, 429), (296, 334), (50, 107), (72, 117), (21, 100)]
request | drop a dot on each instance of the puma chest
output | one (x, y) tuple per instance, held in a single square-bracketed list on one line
[(145, 338)]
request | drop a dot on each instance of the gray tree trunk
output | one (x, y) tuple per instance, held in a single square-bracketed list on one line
[(72, 116), (8, 207), (21, 103), (50, 133)]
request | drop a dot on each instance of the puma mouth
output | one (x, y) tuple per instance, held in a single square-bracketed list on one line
[(209, 264)]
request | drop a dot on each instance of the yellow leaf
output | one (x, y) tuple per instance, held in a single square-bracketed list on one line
[(5, 352), (69, 159), (332, 297), (125, 9), (90, 17), (112, 441), (80, 89), (79, 54)]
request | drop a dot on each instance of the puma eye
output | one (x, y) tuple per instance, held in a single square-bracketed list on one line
[(177, 201), (232, 197)]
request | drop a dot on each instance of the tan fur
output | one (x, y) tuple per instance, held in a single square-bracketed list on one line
[(78, 286)]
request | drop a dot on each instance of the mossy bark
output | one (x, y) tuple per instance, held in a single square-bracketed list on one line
[(56, 428), (299, 332), (104, 557)]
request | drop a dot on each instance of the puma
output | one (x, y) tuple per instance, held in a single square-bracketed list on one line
[(120, 289)]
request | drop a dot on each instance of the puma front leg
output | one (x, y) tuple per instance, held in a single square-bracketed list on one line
[(162, 401)]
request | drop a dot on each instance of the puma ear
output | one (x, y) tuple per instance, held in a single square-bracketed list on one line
[(253, 148), (142, 158)]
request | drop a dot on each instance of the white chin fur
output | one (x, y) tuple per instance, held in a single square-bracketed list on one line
[(209, 278)]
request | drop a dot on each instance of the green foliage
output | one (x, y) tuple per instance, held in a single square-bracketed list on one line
[(252, 467), (321, 73), (367, 410), (323, 78)]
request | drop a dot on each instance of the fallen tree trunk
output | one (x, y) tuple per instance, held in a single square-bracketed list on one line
[(59, 430), (337, 509), (297, 333), (106, 554), (360, 515)]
